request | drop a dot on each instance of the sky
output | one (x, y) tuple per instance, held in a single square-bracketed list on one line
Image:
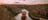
[(23, 2)]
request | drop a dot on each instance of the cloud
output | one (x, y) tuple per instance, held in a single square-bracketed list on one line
[(24, 2)]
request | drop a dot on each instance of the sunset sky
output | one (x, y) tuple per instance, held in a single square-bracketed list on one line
[(23, 2)]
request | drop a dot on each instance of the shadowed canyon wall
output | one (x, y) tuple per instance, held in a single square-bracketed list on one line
[(35, 11)]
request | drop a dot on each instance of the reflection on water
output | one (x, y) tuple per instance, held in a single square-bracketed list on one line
[(19, 17), (24, 12)]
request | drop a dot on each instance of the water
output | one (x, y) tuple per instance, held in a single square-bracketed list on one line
[(18, 17)]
